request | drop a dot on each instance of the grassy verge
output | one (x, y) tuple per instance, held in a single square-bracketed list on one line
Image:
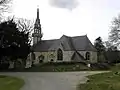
[(103, 81), (116, 67), (66, 67), (10, 83), (52, 67), (57, 67), (62, 67)]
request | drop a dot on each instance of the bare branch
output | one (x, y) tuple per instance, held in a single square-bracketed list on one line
[(26, 26), (4, 6)]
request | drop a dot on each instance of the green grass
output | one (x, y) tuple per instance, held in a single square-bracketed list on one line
[(52, 67), (57, 67), (116, 67), (62, 67), (10, 83), (103, 81)]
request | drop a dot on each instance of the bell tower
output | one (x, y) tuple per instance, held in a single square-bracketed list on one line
[(37, 35)]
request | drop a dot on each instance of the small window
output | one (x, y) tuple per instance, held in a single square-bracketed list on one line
[(87, 56)]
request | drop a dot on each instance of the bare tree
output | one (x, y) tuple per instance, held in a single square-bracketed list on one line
[(114, 35), (107, 44), (26, 25), (4, 6)]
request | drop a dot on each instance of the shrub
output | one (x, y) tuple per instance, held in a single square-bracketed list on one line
[(100, 66)]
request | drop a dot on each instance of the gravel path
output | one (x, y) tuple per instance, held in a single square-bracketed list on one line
[(52, 80)]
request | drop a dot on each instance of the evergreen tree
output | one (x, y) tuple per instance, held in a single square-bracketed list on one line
[(13, 42), (100, 49)]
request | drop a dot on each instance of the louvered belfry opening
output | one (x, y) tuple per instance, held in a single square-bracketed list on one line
[(59, 54)]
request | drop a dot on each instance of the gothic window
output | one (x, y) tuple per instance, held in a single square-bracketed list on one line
[(59, 54), (87, 55)]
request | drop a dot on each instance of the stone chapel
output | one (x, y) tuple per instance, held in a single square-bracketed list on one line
[(64, 49)]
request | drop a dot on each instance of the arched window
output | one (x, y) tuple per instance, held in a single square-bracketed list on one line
[(59, 54), (87, 55)]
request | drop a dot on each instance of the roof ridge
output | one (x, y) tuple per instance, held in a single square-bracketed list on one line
[(74, 36), (78, 36), (86, 40), (50, 40), (71, 43), (89, 42)]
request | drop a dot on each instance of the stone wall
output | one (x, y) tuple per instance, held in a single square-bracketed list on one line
[(52, 56), (37, 54), (67, 55), (93, 55)]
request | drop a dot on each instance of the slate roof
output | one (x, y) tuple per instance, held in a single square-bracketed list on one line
[(76, 43)]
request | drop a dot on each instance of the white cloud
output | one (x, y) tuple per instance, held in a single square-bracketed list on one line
[(68, 4)]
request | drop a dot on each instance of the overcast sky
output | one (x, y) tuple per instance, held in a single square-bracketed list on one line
[(70, 17)]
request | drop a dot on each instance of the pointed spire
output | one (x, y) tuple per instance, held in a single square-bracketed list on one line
[(37, 12)]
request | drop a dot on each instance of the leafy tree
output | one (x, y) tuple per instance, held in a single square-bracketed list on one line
[(100, 49)]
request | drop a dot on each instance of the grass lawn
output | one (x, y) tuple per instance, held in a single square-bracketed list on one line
[(52, 67), (116, 67), (10, 83), (103, 81), (60, 67), (56, 67)]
